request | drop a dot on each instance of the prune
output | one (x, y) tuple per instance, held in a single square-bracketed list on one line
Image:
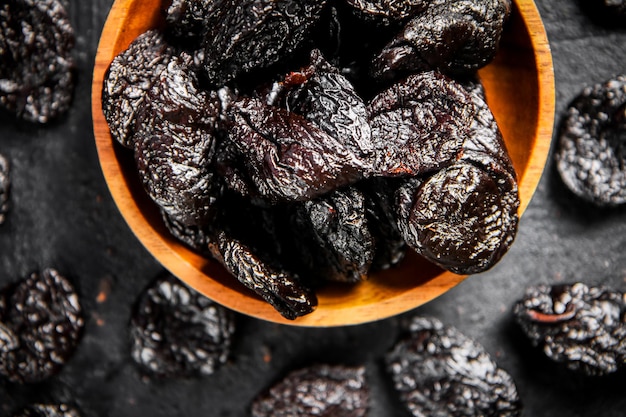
[(247, 35), (36, 64), (286, 157), (389, 10), (128, 79), (591, 153), (40, 326), (48, 410), (419, 125), (175, 147), (177, 332), (580, 326), (452, 36), (195, 237), (438, 371), (316, 391), (5, 187), (185, 18)]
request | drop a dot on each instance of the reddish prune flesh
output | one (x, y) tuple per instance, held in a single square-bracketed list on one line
[(591, 153), (5, 187), (438, 371), (583, 327), (41, 323), (48, 410), (36, 64), (316, 391), (178, 332)]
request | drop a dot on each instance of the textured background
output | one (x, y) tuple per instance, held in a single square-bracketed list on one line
[(62, 216)]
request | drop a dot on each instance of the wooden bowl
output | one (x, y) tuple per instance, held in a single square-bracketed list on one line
[(520, 92)]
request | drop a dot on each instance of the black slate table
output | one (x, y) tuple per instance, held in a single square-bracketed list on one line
[(62, 216)]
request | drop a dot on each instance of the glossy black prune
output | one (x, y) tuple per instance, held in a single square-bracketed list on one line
[(41, 323), (185, 18), (128, 79), (316, 391), (389, 10), (196, 237), (591, 152), (438, 371), (177, 332), (452, 36), (583, 327), (36, 64), (5, 187), (244, 35), (48, 410)]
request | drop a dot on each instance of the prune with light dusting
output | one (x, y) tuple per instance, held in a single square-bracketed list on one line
[(277, 286), (389, 10), (316, 391), (419, 125), (48, 410), (36, 64), (41, 324), (5, 187), (581, 326), (177, 332), (438, 371), (128, 79), (591, 152), (337, 232), (246, 35), (286, 157), (452, 36), (175, 148)]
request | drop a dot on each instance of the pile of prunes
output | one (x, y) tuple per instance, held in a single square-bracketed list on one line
[(303, 141)]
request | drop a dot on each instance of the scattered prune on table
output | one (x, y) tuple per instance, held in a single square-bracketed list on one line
[(245, 35), (48, 410), (5, 187), (286, 157), (583, 327), (419, 125), (389, 10), (452, 36), (40, 325), (127, 80), (591, 152), (177, 332), (438, 371), (36, 64), (316, 391)]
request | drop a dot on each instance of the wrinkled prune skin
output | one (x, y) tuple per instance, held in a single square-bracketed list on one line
[(419, 125), (196, 237), (185, 18), (475, 219), (286, 157), (246, 35), (41, 324), (316, 391), (335, 226), (591, 153), (5, 187), (389, 10), (438, 371), (48, 410), (580, 326), (36, 64), (452, 36), (175, 146), (177, 332), (127, 80)]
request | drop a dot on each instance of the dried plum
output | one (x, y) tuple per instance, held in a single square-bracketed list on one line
[(185, 18), (591, 152), (36, 64), (247, 35), (177, 332), (40, 326), (389, 10), (452, 36), (581, 326), (438, 371), (316, 391), (48, 410), (196, 237), (5, 186), (128, 79)]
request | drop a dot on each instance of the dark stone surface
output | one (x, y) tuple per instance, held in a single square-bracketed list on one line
[(62, 216)]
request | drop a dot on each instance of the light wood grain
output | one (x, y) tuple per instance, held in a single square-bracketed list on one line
[(520, 92)]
